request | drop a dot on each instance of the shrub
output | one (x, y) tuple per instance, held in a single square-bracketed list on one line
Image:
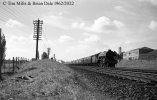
[(44, 55)]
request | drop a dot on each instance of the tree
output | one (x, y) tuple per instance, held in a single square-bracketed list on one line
[(2, 52), (44, 55)]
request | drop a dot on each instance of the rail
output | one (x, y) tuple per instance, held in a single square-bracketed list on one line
[(128, 74)]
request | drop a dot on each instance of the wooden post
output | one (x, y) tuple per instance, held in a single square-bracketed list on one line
[(4, 66), (13, 64), (9, 65), (21, 60), (16, 62)]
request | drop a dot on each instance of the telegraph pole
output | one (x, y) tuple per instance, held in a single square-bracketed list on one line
[(37, 34)]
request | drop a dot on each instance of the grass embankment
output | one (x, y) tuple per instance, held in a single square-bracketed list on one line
[(47, 80)]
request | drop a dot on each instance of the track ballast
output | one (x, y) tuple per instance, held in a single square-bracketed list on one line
[(142, 76)]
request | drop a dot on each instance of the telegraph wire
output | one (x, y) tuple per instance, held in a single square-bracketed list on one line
[(20, 10), (3, 17), (17, 12), (2, 20), (10, 12), (46, 38), (4, 14), (7, 15), (17, 15), (6, 10), (14, 10), (43, 43)]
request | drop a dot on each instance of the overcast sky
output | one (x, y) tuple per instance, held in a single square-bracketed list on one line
[(82, 29)]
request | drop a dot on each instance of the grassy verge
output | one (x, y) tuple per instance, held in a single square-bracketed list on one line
[(47, 80)]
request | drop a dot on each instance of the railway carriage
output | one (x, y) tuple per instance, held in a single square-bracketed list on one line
[(94, 59), (87, 61), (102, 59)]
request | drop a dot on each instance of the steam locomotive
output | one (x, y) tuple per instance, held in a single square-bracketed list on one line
[(103, 59)]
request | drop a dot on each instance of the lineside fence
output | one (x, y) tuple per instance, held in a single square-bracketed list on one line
[(12, 65)]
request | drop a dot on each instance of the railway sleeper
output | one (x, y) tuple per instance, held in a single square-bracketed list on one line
[(129, 77), (124, 75)]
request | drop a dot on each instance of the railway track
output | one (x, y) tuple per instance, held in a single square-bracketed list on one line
[(126, 74)]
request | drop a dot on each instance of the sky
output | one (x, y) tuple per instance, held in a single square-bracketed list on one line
[(74, 31)]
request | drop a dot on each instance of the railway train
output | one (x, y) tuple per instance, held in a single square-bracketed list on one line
[(103, 59)]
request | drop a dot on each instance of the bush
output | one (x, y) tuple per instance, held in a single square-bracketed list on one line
[(44, 55)]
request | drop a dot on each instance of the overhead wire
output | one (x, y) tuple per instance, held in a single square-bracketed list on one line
[(46, 38), (25, 13), (4, 14), (8, 12), (17, 15), (17, 12), (14, 12), (2, 20), (43, 40), (45, 43)]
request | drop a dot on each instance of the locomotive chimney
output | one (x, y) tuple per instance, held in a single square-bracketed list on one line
[(119, 50)]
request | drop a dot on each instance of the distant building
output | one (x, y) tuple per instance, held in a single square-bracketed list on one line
[(144, 53)]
